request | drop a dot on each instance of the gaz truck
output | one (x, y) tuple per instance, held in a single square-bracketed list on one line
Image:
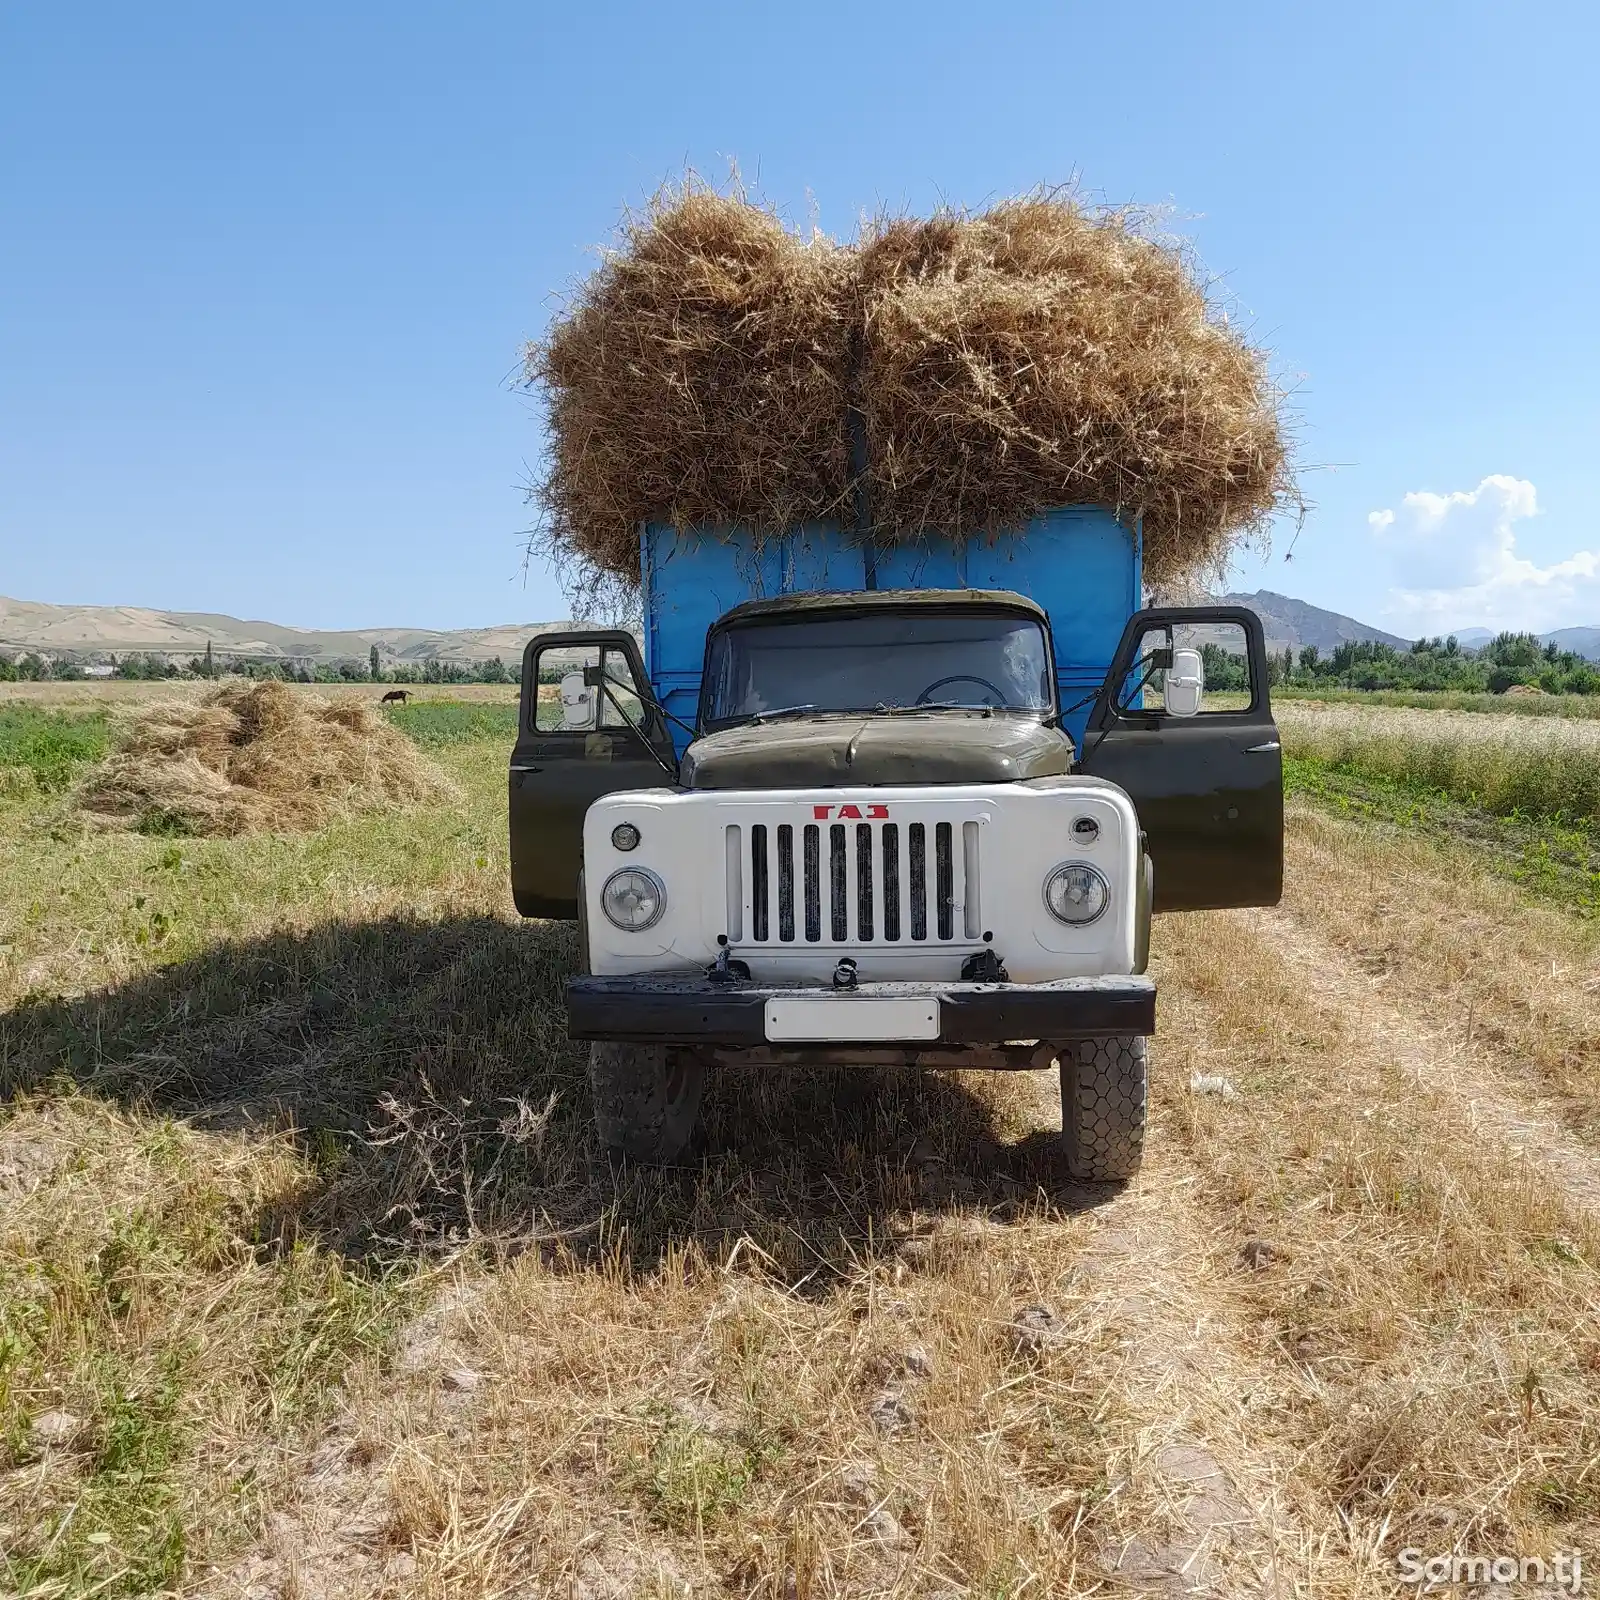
[(893, 804)]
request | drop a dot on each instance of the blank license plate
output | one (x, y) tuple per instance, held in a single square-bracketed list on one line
[(823, 1017)]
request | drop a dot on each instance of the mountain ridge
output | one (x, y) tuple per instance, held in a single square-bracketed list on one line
[(33, 625), (1292, 624), (133, 630)]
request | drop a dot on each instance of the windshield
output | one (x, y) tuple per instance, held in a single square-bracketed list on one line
[(878, 659)]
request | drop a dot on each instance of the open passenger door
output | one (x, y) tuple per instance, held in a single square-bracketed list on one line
[(1208, 786), (588, 726)]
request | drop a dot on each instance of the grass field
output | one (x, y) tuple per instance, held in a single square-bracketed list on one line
[(1580, 706), (1508, 765), (43, 750), (312, 1282), (104, 692)]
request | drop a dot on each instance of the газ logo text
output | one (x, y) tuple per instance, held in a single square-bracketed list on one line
[(859, 813)]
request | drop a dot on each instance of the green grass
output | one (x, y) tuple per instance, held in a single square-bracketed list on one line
[(434, 724), (690, 1479), (198, 1244), (1578, 706), (1558, 862), (45, 750), (1522, 794)]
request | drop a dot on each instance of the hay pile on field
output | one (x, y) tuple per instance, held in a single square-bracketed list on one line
[(1039, 353), (255, 757)]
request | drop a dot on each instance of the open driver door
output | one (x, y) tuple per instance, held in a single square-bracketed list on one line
[(588, 726), (1184, 724)]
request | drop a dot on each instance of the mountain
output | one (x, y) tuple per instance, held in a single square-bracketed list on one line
[(1581, 641), (121, 630), (1292, 623)]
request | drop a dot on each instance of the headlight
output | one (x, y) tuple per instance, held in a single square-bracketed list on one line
[(633, 899), (1076, 894)]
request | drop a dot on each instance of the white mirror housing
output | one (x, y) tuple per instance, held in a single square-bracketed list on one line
[(1184, 683), (577, 704)]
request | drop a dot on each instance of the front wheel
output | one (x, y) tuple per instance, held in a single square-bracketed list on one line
[(1103, 1091), (646, 1098)]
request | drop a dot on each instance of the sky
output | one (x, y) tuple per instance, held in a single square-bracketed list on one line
[(266, 271)]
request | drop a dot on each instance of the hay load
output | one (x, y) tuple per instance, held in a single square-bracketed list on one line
[(1039, 353), (698, 378), (255, 757)]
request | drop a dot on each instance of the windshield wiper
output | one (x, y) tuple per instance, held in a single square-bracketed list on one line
[(933, 705), (782, 711)]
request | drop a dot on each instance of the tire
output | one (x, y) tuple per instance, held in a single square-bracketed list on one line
[(646, 1099), (1103, 1090)]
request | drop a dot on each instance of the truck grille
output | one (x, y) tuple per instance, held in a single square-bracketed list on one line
[(856, 883)]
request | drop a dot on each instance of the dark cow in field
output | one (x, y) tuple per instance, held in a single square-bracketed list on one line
[(395, 697)]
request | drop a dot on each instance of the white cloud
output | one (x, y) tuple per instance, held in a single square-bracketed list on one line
[(1455, 562)]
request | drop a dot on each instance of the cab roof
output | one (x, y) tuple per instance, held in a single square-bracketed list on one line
[(882, 600)]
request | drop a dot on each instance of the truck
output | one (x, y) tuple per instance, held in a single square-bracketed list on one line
[(889, 804)]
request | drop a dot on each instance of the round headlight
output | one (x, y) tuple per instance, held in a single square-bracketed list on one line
[(633, 899), (1076, 894), (625, 836)]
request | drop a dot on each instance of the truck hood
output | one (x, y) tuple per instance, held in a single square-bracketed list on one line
[(865, 748)]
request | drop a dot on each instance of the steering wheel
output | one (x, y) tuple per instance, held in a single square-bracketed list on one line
[(961, 677)]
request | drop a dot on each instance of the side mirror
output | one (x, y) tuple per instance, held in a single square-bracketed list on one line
[(577, 703), (1184, 684)]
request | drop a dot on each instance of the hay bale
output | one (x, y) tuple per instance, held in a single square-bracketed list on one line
[(255, 757), (1037, 354), (1041, 355), (698, 377)]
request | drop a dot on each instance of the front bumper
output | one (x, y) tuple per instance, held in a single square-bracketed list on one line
[(694, 1011)]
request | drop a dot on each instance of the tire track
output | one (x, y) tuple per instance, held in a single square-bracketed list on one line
[(1435, 1056), (1215, 1512)]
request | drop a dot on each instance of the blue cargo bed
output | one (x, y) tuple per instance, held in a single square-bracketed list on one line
[(1079, 563)]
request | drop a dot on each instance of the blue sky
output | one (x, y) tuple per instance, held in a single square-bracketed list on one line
[(265, 271)]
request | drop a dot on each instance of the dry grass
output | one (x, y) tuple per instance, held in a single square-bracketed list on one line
[(1513, 980), (1545, 767), (302, 1222), (167, 1338), (1040, 353), (1425, 1300), (254, 757), (1579, 706)]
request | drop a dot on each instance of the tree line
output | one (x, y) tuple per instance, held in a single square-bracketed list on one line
[(1509, 659), (34, 667)]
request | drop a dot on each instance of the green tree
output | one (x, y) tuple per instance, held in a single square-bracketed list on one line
[(374, 664), (1516, 652)]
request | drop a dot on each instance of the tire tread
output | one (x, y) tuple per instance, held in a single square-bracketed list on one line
[(1104, 1091)]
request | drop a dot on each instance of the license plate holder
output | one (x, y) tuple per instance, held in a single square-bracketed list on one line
[(852, 1019)]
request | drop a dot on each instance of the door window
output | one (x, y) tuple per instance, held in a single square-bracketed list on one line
[(582, 689), (1225, 660)]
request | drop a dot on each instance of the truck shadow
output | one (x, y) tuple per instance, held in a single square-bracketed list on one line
[(424, 1072)]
